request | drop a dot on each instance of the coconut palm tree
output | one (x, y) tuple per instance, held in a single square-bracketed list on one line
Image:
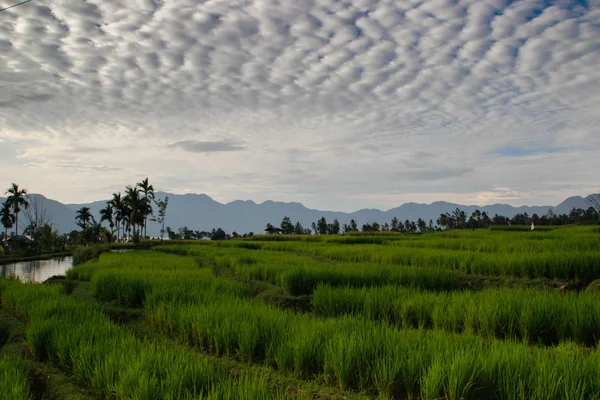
[(7, 218), (135, 205), (16, 200), (117, 205), (84, 217), (148, 191), (106, 214)]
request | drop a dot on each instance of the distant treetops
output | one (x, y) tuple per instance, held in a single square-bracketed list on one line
[(458, 219)]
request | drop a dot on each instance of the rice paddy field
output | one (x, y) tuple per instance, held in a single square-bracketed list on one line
[(487, 314)]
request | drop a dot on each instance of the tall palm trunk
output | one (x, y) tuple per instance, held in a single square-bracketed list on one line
[(16, 223)]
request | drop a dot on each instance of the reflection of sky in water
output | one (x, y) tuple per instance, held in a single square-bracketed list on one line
[(37, 271)]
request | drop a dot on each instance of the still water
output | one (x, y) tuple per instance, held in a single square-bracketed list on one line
[(37, 271)]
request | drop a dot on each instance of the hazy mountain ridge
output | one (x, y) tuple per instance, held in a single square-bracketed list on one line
[(200, 212)]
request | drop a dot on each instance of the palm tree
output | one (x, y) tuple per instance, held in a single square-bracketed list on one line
[(84, 217), (135, 205), (148, 191), (117, 205), (7, 218), (106, 214), (16, 200)]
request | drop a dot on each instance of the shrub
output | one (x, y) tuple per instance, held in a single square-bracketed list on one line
[(84, 254)]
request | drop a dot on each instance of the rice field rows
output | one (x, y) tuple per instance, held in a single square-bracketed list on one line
[(498, 254), (362, 355), (531, 316), (389, 316), (111, 361), (300, 274)]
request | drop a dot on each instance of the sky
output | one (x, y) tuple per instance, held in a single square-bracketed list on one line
[(339, 105)]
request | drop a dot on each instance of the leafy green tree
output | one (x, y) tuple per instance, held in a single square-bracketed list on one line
[(485, 220), (334, 227), (171, 234), (146, 207), (500, 220), (299, 229), (286, 226), (7, 218), (322, 226), (186, 233), (443, 221), (594, 200), (394, 226), (422, 225), (385, 227), (218, 234), (16, 200)]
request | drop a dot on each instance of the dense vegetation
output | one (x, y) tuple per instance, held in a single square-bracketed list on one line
[(454, 314)]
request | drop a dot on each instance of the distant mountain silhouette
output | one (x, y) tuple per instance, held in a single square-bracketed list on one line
[(200, 212)]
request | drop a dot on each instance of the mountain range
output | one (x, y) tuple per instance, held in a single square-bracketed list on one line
[(200, 212)]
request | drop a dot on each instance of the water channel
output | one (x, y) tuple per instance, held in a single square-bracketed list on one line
[(37, 271)]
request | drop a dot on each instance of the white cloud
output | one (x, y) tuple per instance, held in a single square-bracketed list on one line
[(400, 100)]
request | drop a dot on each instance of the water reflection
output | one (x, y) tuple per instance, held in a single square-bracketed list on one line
[(37, 271)]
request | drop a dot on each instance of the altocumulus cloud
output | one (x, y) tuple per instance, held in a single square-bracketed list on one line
[(338, 104)]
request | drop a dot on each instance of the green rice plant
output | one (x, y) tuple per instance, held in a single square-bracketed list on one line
[(359, 354), (533, 316), (14, 382), (82, 341), (303, 280), (138, 260), (133, 288), (300, 274)]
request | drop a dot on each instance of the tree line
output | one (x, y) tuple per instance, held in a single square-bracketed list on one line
[(458, 219), (185, 233), (126, 216)]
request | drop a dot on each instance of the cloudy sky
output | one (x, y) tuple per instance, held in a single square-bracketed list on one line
[(336, 104)]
